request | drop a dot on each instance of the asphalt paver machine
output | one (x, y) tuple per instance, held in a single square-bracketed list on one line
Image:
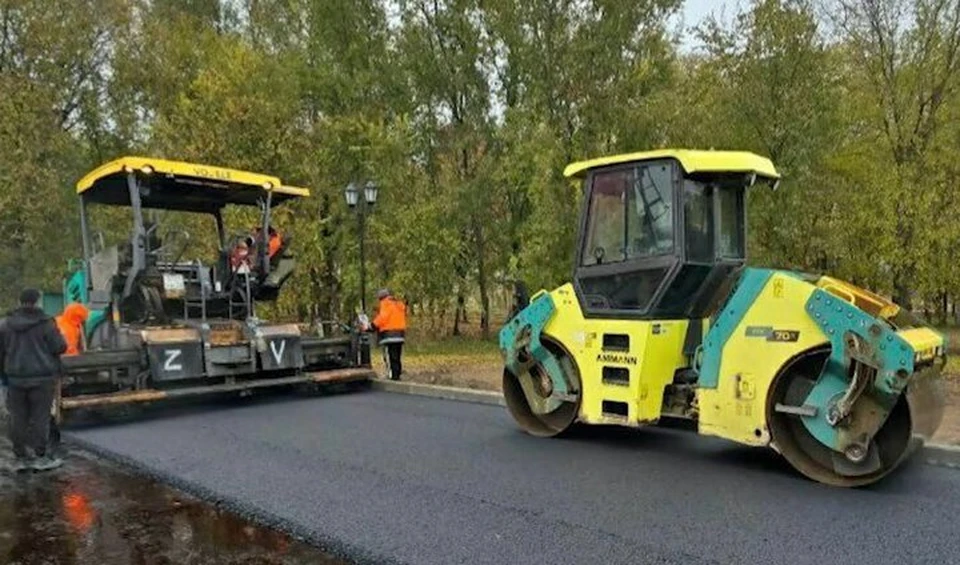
[(164, 326), (664, 320)]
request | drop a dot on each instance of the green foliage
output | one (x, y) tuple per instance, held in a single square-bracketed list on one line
[(53, 73), (465, 113)]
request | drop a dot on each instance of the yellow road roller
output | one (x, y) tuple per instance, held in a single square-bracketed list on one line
[(664, 320)]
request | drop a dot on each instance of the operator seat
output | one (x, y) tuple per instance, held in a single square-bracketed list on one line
[(152, 243), (282, 265)]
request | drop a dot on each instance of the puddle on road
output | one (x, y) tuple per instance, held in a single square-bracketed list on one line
[(91, 511)]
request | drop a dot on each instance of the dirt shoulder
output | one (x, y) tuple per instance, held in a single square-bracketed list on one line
[(949, 431)]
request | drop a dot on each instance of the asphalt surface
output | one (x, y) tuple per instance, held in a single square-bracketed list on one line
[(386, 478)]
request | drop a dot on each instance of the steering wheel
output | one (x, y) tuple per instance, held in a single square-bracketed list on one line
[(598, 254), (184, 236)]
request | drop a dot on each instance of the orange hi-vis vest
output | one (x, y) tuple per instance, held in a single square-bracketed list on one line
[(391, 320), (70, 324), (273, 245)]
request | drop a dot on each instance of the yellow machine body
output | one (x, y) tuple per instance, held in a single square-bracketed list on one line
[(663, 319), (736, 409)]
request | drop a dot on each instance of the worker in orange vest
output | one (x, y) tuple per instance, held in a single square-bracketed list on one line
[(70, 324), (391, 326), (274, 240)]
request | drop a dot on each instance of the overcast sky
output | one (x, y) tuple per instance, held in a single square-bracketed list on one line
[(695, 11)]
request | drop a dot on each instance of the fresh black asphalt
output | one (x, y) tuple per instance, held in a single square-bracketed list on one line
[(389, 478)]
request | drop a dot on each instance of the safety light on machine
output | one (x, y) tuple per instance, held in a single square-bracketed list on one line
[(146, 169)]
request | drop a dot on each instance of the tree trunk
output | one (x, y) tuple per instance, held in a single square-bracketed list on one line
[(456, 314), (482, 280), (462, 307), (484, 304), (442, 316), (901, 292), (461, 271)]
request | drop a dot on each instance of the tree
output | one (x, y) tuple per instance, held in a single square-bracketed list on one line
[(442, 46), (908, 53), (53, 72), (574, 80), (778, 96)]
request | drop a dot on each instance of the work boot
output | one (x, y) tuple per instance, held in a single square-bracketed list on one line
[(22, 464), (47, 463), (22, 460)]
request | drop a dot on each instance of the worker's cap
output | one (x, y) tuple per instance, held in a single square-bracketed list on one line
[(29, 296), (77, 311), (383, 293)]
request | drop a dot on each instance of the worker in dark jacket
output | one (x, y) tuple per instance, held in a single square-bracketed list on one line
[(391, 326), (30, 345)]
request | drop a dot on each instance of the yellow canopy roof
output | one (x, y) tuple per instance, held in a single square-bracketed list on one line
[(692, 161), (177, 181)]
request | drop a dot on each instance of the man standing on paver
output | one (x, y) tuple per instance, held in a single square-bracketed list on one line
[(30, 349), (70, 324), (391, 326)]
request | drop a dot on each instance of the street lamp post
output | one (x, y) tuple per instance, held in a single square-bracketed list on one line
[(363, 206)]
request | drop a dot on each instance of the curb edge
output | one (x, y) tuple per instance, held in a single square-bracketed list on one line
[(942, 455), (435, 391)]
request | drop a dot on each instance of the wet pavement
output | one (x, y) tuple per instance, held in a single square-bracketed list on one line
[(93, 511)]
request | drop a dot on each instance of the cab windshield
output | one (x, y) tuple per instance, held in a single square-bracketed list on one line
[(631, 214)]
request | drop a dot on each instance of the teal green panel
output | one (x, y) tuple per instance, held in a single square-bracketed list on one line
[(75, 287), (534, 318), (751, 284), (94, 320), (829, 387), (890, 353)]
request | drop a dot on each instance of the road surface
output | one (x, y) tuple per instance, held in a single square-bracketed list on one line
[(388, 478)]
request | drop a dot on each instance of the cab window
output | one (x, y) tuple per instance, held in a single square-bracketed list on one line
[(605, 219), (713, 219), (650, 211), (630, 215), (730, 244), (698, 221)]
